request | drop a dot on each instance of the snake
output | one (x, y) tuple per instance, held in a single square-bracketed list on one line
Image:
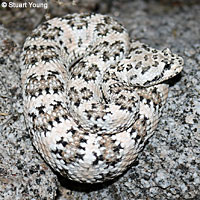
[(92, 95)]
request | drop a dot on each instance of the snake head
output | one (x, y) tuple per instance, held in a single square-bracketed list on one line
[(150, 66), (172, 64)]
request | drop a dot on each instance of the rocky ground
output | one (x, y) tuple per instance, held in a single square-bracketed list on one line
[(169, 166)]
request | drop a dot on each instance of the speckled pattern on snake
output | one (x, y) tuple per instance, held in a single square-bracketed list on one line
[(92, 96)]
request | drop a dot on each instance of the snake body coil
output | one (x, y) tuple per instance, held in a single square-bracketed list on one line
[(92, 96)]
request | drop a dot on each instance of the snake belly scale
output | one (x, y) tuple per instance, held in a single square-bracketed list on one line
[(92, 96)]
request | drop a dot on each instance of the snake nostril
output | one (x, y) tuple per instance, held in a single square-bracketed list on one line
[(168, 66)]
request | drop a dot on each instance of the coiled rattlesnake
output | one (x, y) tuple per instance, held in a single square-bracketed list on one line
[(92, 96)]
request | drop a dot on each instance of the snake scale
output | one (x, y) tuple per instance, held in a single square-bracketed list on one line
[(92, 96)]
